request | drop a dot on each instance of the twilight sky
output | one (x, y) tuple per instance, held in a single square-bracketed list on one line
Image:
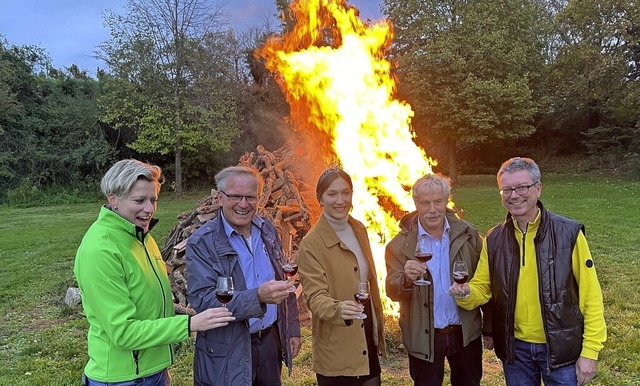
[(70, 30)]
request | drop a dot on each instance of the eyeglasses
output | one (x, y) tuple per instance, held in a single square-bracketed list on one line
[(239, 197), (521, 190)]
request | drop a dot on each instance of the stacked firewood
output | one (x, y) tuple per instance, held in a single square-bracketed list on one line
[(286, 200)]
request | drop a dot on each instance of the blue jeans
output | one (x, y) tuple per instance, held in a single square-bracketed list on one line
[(531, 364), (161, 378)]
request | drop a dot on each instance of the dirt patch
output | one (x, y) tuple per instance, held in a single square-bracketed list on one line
[(43, 316), (43, 323)]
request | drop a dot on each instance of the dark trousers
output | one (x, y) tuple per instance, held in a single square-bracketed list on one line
[(266, 362), (465, 363)]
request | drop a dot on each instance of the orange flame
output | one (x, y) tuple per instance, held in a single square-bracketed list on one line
[(338, 83)]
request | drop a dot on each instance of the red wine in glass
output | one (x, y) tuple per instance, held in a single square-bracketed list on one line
[(290, 269), (460, 277), (361, 297), (422, 256), (224, 297), (224, 289), (460, 274)]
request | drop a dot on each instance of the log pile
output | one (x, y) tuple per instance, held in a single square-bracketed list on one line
[(286, 200)]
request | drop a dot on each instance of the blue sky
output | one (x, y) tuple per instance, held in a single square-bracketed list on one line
[(70, 30)]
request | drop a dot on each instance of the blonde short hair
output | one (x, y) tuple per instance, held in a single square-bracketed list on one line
[(123, 175)]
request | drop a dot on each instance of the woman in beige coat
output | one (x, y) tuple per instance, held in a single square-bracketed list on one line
[(333, 257)]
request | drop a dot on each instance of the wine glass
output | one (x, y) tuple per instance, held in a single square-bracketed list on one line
[(460, 274), (423, 254), (290, 268), (224, 290), (362, 296)]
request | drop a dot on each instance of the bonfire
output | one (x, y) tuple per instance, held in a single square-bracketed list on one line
[(341, 89)]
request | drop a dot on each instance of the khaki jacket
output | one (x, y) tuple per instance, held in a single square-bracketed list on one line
[(328, 275), (416, 311)]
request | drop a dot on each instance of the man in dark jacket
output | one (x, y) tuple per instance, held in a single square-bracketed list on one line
[(548, 315), (238, 243), (433, 326)]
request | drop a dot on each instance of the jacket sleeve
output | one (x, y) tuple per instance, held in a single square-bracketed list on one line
[(487, 308), (291, 313), (106, 299), (316, 286), (202, 276), (394, 282), (590, 302), (480, 284)]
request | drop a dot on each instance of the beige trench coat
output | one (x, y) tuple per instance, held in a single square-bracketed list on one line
[(328, 275)]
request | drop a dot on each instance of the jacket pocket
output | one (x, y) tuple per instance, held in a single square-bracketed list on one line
[(210, 362)]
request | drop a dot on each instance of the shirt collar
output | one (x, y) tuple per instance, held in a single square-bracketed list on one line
[(532, 226), (257, 221), (422, 232)]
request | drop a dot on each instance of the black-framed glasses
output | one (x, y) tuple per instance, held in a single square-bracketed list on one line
[(239, 197), (521, 190)]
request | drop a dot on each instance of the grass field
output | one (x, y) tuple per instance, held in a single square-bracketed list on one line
[(44, 343)]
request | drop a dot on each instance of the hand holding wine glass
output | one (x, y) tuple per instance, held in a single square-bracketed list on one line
[(224, 289), (362, 297), (423, 254), (211, 318), (460, 275)]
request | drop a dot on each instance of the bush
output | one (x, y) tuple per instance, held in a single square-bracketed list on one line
[(27, 194), (634, 170)]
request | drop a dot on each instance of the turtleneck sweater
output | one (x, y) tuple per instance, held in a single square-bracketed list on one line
[(348, 237)]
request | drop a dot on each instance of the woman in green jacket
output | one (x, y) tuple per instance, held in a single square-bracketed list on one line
[(332, 259), (125, 291)]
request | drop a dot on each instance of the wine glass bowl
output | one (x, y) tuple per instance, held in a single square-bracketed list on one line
[(224, 290), (460, 274), (423, 254), (290, 269), (362, 296)]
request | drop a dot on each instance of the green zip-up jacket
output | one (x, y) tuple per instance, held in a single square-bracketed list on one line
[(126, 296)]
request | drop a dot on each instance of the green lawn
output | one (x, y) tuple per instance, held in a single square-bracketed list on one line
[(43, 343)]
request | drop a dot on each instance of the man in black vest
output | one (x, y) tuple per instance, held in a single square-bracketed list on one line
[(536, 268)]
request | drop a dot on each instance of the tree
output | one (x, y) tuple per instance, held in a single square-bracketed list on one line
[(17, 86), (49, 130), (10, 64), (266, 111), (596, 78), (469, 69), (170, 80)]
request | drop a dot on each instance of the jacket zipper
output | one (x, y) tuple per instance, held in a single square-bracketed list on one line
[(135, 359), (164, 299), (524, 246)]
